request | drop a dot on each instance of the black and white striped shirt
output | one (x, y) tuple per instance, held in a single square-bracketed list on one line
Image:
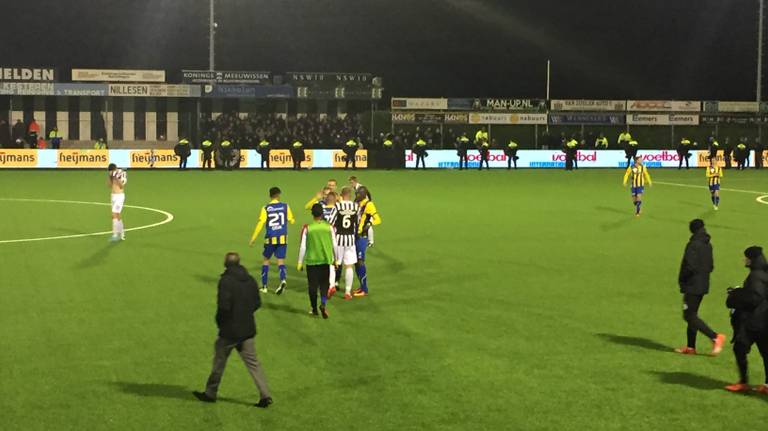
[(345, 219)]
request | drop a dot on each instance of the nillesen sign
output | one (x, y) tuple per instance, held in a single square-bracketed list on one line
[(548, 159)]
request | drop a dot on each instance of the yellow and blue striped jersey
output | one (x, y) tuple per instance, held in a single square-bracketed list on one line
[(369, 216), (714, 173), (639, 175), (276, 214)]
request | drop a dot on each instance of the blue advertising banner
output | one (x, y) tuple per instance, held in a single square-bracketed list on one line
[(250, 91), (588, 119), (80, 89)]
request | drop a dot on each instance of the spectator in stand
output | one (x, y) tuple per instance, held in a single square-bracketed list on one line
[(5, 134), (55, 138), (19, 131), (33, 131)]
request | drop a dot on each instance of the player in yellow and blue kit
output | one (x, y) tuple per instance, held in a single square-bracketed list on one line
[(639, 174), (714, 174), (369, 216), (275, 216)]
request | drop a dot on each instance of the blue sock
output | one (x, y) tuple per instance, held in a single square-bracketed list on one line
[(713, 199), (264, 275), (323, 300), (283, 275), (362, 274), (637, 206)]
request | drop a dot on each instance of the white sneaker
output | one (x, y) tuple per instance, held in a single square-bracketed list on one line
[(263, 289), (716, 208), (280, 288)]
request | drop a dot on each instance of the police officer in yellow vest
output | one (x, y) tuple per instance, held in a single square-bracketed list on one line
[(714, 148), (624, 138), (511, 152), (350, 153), (55, 138), (484, 147), (684, 152), (297, 154), (388, 152), (225, 154), (420, 150), (742, 155), (631, 151), (264, 149), (100, 144), (182, 151), (480, 136), (207, 148), (462, 147), (571, 149), (601, 142)]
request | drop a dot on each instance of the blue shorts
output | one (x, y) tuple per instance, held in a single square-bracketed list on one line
[(714, 187), (361, 244), (637, 190), (278, 250)]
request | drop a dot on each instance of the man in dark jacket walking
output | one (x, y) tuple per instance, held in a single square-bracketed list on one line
[(238, 299), (695, 268), (749, 317)]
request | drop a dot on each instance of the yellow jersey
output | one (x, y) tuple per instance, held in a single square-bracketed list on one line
[(369, 216), (277, 230), (714, 173), (639, 175)]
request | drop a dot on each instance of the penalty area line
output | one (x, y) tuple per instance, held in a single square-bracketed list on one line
[(168, 218)]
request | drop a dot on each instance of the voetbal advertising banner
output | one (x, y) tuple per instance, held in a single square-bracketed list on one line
[(491, 118), (154, 90), (249, 91), (118, 75), (510, 105), (662, 120), (549, 159), (419, 104), (28, 74), (663, 106), (587, 119), (588, 105), (162, 159), (225, 77)]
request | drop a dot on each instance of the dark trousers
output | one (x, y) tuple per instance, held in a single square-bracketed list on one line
[(576, 160), (510, 160), (296, 165), (207, 163), (350, 159), (318, 280), (182, 162), (423, 159), (265, 160), (691, 305), (568, 162), (683, 158), (221, 350), (484, 159), (463, 160), (742, 344)]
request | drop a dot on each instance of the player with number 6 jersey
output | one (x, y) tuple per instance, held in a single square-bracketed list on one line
[(275, 216), (345, 219)]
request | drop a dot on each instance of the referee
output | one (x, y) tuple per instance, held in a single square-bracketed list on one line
[(316, 250)]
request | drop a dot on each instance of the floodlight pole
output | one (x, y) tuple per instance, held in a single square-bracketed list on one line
[(212, 37)]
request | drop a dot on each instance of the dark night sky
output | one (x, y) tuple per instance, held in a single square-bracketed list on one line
[(665, 49)]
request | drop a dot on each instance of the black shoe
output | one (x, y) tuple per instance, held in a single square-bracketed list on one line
[(313, 313), (323, 312), (202, 396), (263, 403)]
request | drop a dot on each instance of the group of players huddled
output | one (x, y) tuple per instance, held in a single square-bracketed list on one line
[(334, 243)]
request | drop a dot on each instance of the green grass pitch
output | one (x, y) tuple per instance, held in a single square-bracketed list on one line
[(499, 300)]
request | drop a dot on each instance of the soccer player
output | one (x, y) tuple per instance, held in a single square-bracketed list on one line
[(117, 180), (369, 216), (639, 174), (316, 250), (345, 220), (318, 198), (714, 174), (356, 186), (276, 215)]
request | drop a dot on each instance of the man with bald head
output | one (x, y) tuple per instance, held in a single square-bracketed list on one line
[(238, 298)]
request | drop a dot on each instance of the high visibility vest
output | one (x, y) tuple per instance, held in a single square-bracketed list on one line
[(387, 142), (464, 139), (297, 144), (512, 144), (741, 146), (603, 142), (633, 143), (625, 137), (685, 142), (207, 143), (184, 142), (421, 143), (53, 134), (225, 143), (264, 143), (572, 143)]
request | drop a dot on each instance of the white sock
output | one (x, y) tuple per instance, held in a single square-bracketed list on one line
[(332, 279), (120, 228), (349, 277), (115, 227)]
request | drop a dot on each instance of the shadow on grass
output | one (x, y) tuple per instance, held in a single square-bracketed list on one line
[(160, 390), (285, 308), (643, 343), (207, 279), (97, 258), (393, 264), (695, 381)]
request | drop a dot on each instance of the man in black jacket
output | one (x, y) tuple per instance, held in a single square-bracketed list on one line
[(749, 317), (238, 299), (695, 268)]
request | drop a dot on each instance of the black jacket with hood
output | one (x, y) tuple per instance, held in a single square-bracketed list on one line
[(750, 303), (697, 264), (238, 299)]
